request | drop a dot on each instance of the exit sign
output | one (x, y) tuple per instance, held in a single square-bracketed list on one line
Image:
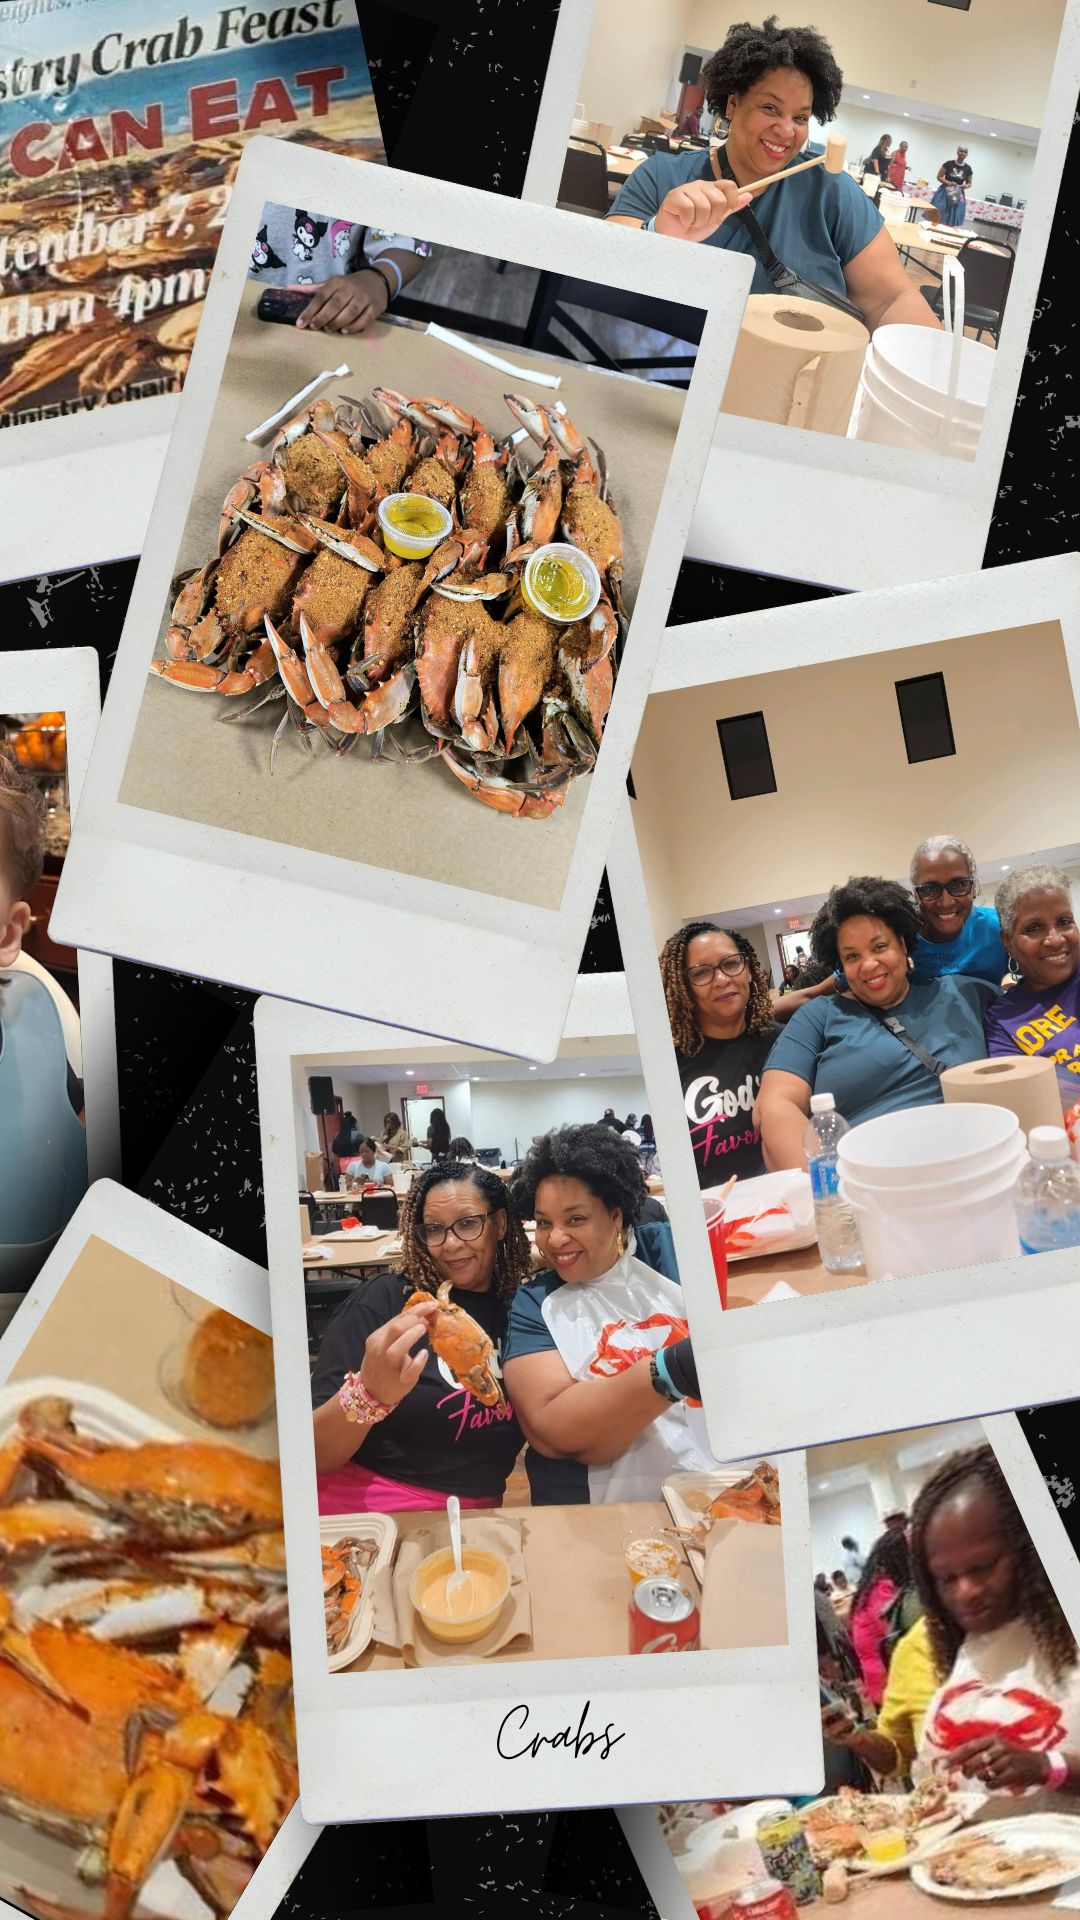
[(421, 1086), (795, 925)]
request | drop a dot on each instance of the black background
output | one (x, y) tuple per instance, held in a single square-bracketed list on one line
[(457, 86)]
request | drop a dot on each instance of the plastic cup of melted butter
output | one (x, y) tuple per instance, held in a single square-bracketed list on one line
[(412, 524), (561, 582)]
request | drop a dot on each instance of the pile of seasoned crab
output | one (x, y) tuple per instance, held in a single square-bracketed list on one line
[(436, 658), (145, 1680), (755, 1498)]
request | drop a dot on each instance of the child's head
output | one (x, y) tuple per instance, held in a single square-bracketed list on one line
[(22, 851)]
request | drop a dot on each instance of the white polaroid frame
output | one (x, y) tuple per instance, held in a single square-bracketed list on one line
[(814, 506), (987, 1337), (690, 1720), (641, 1825), (144, 1232), (43, 680), (207, 901)]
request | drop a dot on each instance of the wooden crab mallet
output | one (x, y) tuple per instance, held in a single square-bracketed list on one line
[(833, 160)]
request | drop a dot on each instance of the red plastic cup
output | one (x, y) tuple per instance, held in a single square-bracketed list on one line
[(717, 1232)]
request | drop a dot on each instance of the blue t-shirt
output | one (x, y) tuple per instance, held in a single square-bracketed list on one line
[(820, 221), (838, 1046), (977, 951)]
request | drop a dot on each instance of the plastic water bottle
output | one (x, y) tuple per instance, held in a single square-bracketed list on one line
[(1047, 1194), (834, 1222)]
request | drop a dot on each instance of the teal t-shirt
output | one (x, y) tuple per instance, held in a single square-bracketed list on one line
[(838, 1046), (977, 950), (815, 223)]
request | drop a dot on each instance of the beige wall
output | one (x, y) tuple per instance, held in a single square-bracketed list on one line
[(635, 51), (997, 166), (995, 60), (848, 801)]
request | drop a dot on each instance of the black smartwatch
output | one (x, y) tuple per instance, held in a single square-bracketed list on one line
[(660, 1385)]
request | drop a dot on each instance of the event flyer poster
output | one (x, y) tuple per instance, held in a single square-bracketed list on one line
[(121, 128)]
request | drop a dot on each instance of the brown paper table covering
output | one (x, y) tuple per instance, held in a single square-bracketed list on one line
[(741, 1558), (578, 1586), (417, 820), (399, 1627), (750, 1280)]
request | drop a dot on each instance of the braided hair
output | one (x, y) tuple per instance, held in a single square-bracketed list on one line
[(513, 1255), (1037, 1603), (22, 825), (685, 1032), (888, 1559)]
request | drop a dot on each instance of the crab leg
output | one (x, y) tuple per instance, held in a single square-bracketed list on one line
[(199, 677), (507, 796)]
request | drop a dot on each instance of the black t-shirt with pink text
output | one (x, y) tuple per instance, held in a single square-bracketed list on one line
[(439, 1436), (720, 1085)]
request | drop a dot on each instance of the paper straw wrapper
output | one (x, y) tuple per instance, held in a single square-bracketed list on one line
[(492, 359), (277, 419)]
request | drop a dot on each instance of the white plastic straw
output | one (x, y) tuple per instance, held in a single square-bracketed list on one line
[(283, 413), (492, 359)]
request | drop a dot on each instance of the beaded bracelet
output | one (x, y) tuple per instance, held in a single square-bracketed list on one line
[(358, 1405)]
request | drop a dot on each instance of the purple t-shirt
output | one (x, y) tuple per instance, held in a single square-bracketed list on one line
[(1045, 1024)]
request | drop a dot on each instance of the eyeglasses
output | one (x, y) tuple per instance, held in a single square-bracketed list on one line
[(732, 965), (958, 889), (470, 1227)]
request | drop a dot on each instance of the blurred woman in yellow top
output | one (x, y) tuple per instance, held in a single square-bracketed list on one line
[(890, 1747)]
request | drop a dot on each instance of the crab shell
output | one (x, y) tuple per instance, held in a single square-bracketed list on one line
[(459, 1340)]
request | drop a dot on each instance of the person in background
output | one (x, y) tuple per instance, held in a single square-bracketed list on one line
[(394, 1430), (630, 1130), (43, 1171), (607, 1417), (367, 1166), (898, 167), (954, 179), (462, 1151), (821, 1582), (890, 1746), (791, 979), (884, 1579), (1040, 1016), (645, 1128), (840, 1679), (720, 1012), (955, 936), (854, 1560), (608, 1120), (767, 82), (438, 1134), (395, 1143), (352, 272), (861, 1045), (346, 1140), (842, 1593), (897, 1521), (877, 163)]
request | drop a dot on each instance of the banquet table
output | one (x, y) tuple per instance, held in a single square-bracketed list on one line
[(579, 1587), (896, 1897), (324, 1255), (750, 1280)]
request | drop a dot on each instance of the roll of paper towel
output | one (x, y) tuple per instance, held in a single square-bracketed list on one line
[(1027, 1087), (796, 362)]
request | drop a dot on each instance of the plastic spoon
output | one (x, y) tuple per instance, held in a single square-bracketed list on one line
[(459, 1582)]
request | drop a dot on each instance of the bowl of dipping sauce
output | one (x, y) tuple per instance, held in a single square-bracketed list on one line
[(649, 1558), (412, 524), (561, 582), (473, 1611)]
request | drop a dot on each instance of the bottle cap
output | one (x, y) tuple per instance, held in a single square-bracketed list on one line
[(822, 1103), (1048, 1143)]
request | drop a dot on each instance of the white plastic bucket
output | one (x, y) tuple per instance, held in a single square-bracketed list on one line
[(401, 1179), (897, 1239), (919, 1145), (925, 390), (926, 1195)]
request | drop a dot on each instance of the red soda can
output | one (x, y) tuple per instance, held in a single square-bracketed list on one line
[(663, 1618), (764, 1900)]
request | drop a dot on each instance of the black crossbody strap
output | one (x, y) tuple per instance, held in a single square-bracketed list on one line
[(784, 279), (900, 1032)]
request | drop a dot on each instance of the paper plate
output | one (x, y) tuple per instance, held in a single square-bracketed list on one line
[(1057, 1831)]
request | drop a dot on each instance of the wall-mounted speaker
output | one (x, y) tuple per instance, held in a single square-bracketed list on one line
[(321, 1093), (690, 71)]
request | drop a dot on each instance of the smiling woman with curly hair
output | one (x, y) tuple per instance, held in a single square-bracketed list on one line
[(765, 84), (605, 1413), (882, 1043)]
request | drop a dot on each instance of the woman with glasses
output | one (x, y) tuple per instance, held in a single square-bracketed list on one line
[(394, 1430), (598, 1355), (880, 1044), (1041, 1014), (720, 1011), (956, 936)]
